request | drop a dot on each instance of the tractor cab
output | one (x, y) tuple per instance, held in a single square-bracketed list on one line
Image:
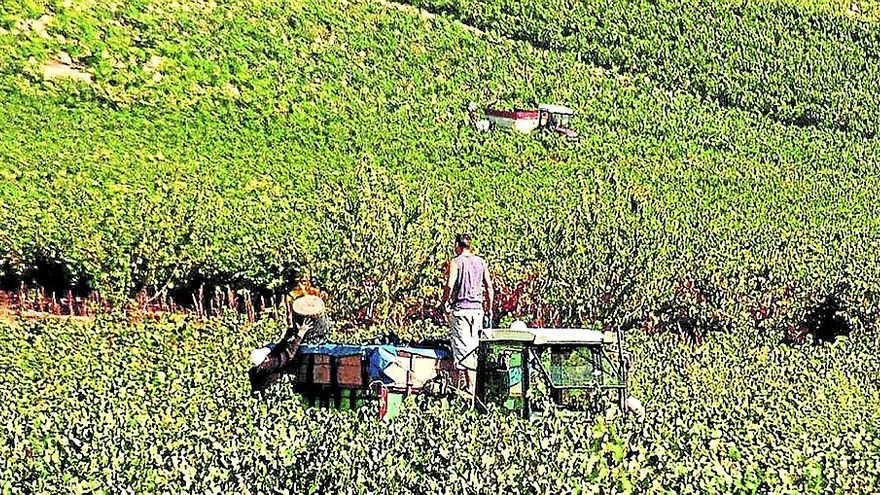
[(557, 118), (575, 366)]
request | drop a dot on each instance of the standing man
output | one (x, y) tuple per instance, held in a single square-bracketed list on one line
[(463, 302)]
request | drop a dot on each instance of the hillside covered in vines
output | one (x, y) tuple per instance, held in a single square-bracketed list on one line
[(720, 204), (239, 144)]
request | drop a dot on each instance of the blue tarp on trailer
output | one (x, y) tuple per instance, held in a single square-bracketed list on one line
[(377, 356)]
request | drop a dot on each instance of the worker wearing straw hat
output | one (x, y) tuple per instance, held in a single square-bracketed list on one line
[(306, 320)]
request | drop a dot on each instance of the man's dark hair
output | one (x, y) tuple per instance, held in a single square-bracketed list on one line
[(463, 241)]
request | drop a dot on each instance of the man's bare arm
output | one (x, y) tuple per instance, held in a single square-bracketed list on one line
[(490, 289), (451, 276)]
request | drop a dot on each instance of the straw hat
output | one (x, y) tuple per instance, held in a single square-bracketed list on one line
[(308, 305)]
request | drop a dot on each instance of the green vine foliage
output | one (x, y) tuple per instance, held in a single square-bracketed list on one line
[(239, 144), (800, 64), (163, 407), (721, 196)]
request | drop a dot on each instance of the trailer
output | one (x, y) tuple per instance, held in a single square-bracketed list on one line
[(511, 364), (344, 376)]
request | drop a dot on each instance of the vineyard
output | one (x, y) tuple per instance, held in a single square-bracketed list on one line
[(720, 203), (252, 142), (159, 407)]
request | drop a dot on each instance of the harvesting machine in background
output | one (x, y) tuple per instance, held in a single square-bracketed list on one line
[(556, 118)]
